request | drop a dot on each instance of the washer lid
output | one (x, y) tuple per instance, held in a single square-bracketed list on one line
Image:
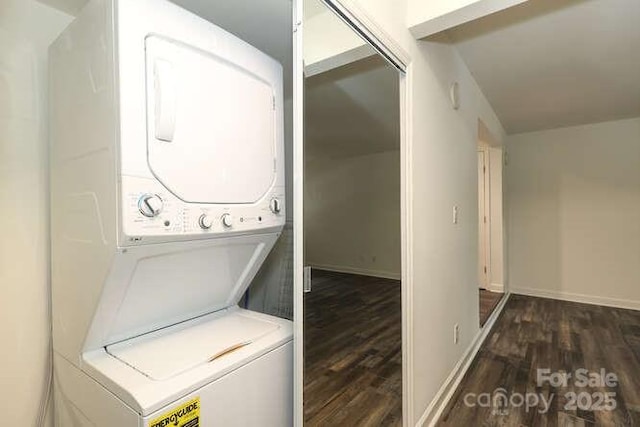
[(211, 125), (155, 286), (166, 353)]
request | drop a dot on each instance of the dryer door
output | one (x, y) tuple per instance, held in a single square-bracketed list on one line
[(211, 125)]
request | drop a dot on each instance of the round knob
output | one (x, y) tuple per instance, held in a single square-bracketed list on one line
[(227, 220), (205, 221), (275, 206), (150, 205)]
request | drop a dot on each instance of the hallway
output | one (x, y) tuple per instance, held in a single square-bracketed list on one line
[(537, 333)]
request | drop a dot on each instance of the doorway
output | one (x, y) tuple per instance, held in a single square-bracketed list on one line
[(352, 226), (490, 224)]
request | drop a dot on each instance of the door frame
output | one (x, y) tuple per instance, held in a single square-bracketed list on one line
[(357, 19), (495, 205)]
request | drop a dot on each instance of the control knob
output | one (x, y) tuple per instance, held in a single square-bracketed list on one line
[(274, 205), (205, 222), (150, 205), (227, 220)]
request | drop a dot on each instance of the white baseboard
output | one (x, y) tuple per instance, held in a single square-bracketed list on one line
[(496, 287), (357, 270), (439, 403), (586, 299)]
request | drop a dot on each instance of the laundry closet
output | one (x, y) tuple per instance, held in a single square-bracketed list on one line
[(171, 178)]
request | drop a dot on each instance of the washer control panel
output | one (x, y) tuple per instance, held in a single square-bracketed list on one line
[(151, 213)]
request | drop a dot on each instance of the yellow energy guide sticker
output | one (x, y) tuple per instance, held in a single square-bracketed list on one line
[(185, 415)]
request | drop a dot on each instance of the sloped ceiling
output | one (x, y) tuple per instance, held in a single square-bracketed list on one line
[(547, 63), (351, 101), (353, 110)]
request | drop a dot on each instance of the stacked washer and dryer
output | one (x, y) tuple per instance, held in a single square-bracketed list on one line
[(167, 180)]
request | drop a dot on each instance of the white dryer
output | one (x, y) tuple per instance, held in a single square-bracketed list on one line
[(167, 169)]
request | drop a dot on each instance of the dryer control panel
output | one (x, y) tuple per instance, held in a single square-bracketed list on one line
[(151, 213)]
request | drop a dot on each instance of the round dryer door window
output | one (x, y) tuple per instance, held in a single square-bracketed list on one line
[(211, 125)]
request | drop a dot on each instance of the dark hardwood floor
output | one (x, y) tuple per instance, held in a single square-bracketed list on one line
[(353, 351), (488, 302), (537, 333)]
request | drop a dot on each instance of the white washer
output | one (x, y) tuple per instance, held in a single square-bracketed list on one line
[(167, 171)]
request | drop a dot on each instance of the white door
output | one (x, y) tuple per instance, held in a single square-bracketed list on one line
[(211, 125)]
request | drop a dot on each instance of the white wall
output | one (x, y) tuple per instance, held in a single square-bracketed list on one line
[(574, 213), (444, 174), (352, 214), (26, 29)]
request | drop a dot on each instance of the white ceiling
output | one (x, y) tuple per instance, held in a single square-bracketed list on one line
[(547, 63), (353, 110)]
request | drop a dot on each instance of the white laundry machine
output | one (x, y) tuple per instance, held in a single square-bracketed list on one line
[(167, 180)]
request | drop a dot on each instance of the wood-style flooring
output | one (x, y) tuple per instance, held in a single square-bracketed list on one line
[(353, 351), (537, 333), (488, 302)]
